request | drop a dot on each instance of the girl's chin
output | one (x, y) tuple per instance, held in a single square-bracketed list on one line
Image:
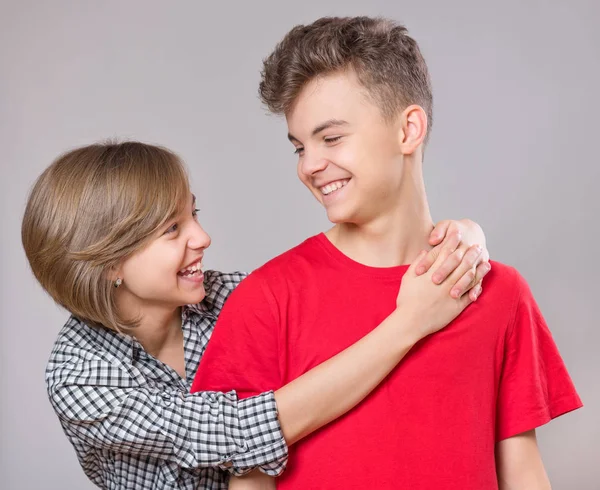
[(198, 296)]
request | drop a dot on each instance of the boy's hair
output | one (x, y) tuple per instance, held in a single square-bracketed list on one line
[(92, 208), (385, 58)]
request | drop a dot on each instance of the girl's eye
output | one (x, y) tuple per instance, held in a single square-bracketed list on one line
[(332, 139), (195, 213), (172, 229), (298, 151)]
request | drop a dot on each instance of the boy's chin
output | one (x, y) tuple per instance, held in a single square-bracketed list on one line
[(338, 218), (341, 214)]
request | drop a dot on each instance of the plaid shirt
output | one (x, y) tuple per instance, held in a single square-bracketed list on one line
[(135, 425)]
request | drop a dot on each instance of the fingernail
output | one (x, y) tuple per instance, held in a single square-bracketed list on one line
[(455, 293), (420, 270), (436, 279)]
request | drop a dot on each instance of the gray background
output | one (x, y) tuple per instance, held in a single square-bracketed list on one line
[(514, 147)]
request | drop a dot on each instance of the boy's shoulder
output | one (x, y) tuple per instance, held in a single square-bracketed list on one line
[(504, 278), (506, 295), (309, 254), (279, 275), (296, 259)]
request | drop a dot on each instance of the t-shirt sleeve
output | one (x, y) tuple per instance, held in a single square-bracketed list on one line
[(243, 352), (535, 386)]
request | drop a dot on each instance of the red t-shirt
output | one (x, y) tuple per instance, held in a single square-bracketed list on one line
[(491, 374)]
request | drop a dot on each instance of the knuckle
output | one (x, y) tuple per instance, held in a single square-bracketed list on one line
[(453, 238), (443, 272), (455, 262), (474, 254), (466, 223), (459, 255)]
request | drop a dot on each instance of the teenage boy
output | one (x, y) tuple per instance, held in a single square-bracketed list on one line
[(462, 412)]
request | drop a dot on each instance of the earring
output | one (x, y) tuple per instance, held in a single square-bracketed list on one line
[(118, 282)]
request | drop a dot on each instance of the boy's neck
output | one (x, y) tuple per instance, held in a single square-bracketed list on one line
[(393, 238)]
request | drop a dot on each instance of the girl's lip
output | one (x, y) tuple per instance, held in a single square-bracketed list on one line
[(196, 278), (196, 261)]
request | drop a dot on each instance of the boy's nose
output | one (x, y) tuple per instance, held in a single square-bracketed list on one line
[(311, 165)]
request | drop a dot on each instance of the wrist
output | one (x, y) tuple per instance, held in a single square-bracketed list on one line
[(408, 327)]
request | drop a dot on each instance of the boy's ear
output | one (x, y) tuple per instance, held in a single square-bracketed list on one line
[(413, 129)]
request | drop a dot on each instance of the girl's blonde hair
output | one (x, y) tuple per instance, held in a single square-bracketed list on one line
[(91, 209)]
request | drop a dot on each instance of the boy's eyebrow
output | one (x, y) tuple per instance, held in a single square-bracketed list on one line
[(321, 127), (327, 125)]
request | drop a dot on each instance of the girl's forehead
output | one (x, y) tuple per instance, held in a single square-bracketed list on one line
[(186, 203)]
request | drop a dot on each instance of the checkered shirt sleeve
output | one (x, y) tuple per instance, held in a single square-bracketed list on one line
[(131, 418)]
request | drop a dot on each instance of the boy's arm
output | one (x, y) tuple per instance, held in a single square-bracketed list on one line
[(535, 388), (519, 464)]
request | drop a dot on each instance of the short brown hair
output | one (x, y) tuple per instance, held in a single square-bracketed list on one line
[(387, 61), (92, 208)]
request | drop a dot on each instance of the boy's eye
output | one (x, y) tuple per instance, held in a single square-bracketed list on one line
[(333, 139), (298, 151)]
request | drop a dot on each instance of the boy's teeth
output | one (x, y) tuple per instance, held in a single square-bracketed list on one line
[(334, 186)]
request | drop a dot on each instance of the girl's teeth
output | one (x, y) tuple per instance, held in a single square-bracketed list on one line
[(194, 268)]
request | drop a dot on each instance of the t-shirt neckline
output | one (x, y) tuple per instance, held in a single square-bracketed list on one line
[(356, 267)]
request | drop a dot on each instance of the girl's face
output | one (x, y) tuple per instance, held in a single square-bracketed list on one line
[(167, 273)]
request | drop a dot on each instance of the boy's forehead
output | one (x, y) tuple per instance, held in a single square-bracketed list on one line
[(330, 89), (336, 96)]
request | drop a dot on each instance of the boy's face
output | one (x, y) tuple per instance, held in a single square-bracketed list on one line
[(348, 156)]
